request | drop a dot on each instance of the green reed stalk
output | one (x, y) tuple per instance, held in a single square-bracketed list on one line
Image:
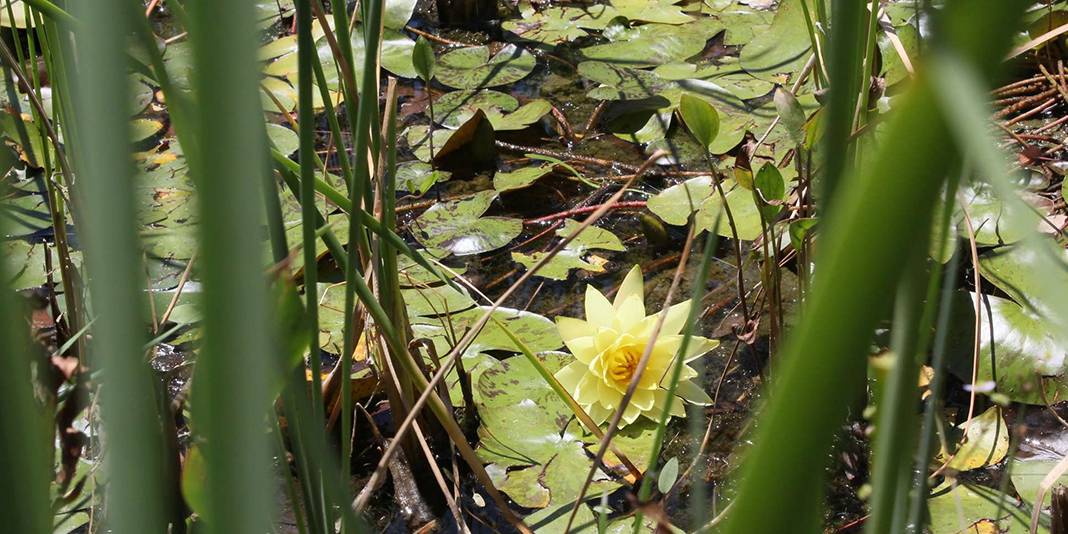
[(859, 269), (696, 309), (113, 255), (314, 422), (230, 386), (25, 450), (845, 68)]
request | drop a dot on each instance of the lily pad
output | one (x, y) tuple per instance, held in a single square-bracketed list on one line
[(655, 44), (1023, 355), (558, 25), (536, 331), (662, 11), (437, 300), (283, 139), (397, 13), (675, 204), (479, 66), (985, 443), (994, 221), (143, 129), (574, 255), (782, 48), (520, 178), (417, 177), (419, 143), (503, 111), (527, 436), (1016, 271), (459, 227), (960, 508), (561, 265), (1028, 474)]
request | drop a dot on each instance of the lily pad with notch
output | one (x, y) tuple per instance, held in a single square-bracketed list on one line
[(481, 66), (461, 228)]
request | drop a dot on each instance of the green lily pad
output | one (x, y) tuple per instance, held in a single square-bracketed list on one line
[(479, 66), (894, 70), (558, 25), (417, 177), (525, 435), (454, 108), (437, 300), (520, 178), (537, 332), (554, 519), (574, 255), (655, 44), (275, 91), (397, 13), (413, 274), (675, 204), (460, 228), (781, 49), (561, 265), (960, 508), (1028, 474), (994, 221), (419, 143), (1016, 271), (1024, 349), (503, 111), (25, 263), (591, 237), (283, 139), (662, 11), (742, 206), (143, 129), (986, 442)]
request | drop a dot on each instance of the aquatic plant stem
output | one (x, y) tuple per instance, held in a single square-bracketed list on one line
[(676, 371)]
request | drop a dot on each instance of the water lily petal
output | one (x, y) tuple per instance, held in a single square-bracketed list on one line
[(631, 414), (632, 287), (693, 393), (598, 413), (677, 410), (644, 399), (676, 318), (599, 311), (585, 391), (570, 375), (607, 396), (571, 328), (629, 313), (699, 346), (582, 348)]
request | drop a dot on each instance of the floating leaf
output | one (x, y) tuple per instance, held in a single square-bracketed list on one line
[(143, 129), (668, 475), (654, 44), (782, 48), (477, 66), (503, 111), (662, 11), (675, 204), (985, 443), (591, 237), (1022, 357), (1028, 474), (436, 300), (418, 140), (1014, 270), (460, 228), (558, 25), (743, 210), (994, 221), (397, 13), (894, 70), (561, 265), (520, 178), (536, 331), (283, 139), (546, 463), (417, 177), (965, 508)]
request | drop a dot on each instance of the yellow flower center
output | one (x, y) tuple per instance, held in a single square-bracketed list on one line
[(622, 362)]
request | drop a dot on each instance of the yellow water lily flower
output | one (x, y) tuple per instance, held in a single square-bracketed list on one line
[(608, 345)]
